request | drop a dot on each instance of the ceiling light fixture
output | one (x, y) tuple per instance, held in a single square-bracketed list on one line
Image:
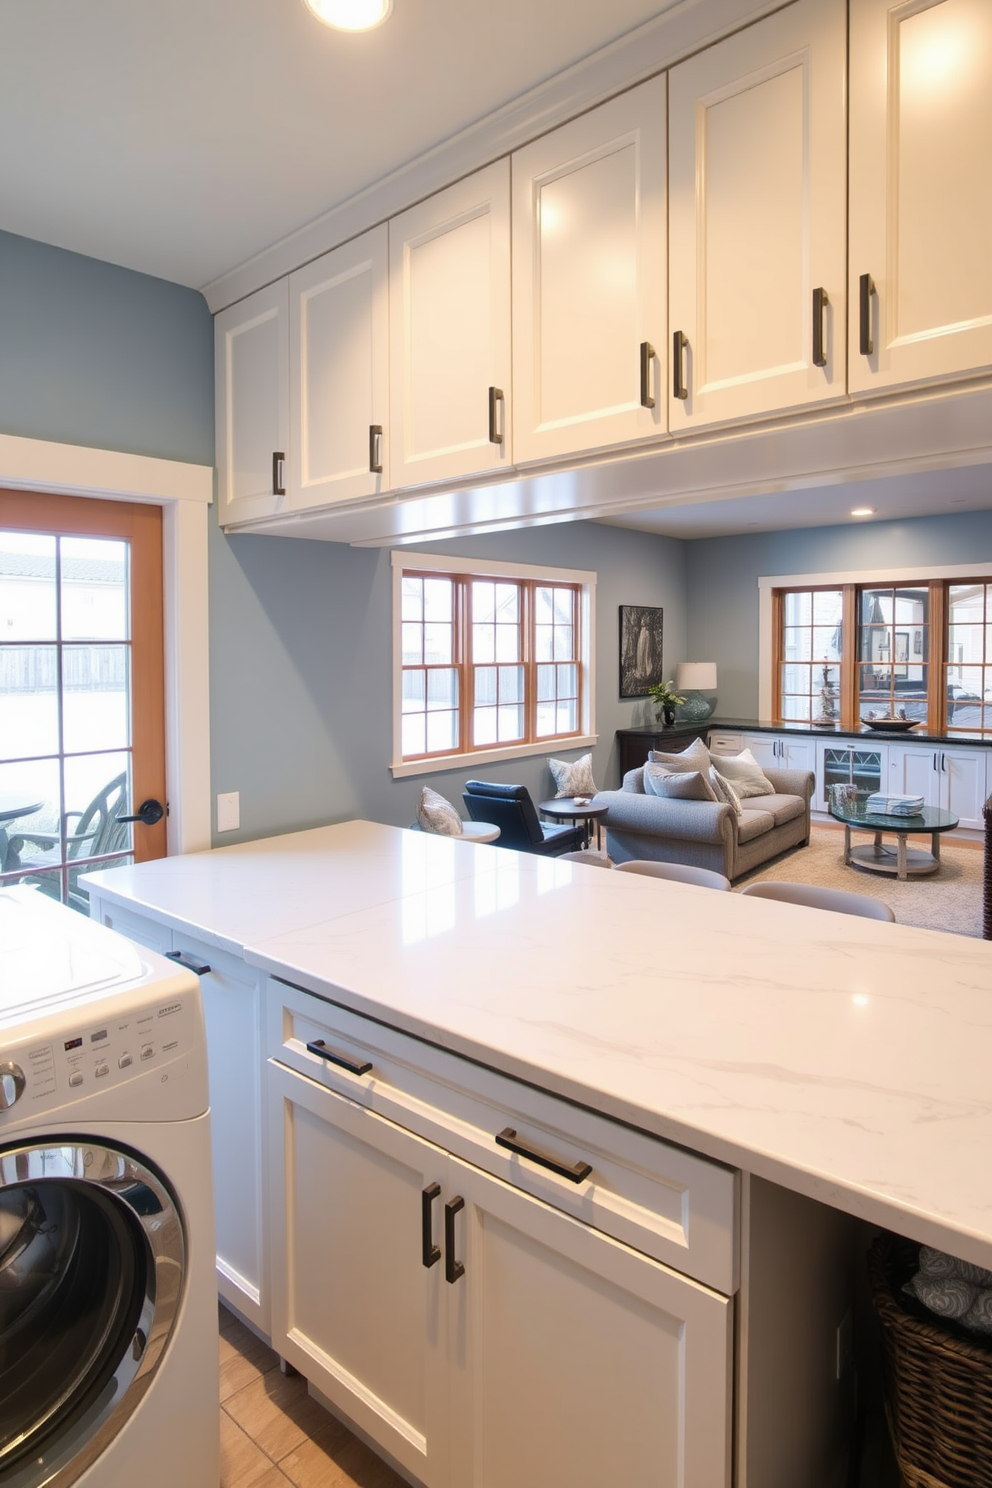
[(862, 511), (350, 15)]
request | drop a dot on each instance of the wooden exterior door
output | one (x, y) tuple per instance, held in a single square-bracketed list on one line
[(82, 710)]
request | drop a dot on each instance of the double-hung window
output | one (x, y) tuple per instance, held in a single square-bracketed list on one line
[(493, 660)]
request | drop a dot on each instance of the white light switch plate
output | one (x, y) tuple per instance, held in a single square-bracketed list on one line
[(229, 811)]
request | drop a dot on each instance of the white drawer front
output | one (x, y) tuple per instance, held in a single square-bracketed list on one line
[(676, 1207), (722, 743)]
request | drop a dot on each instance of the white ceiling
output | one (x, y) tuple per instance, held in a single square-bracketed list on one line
[(182, 137), (925, 493)]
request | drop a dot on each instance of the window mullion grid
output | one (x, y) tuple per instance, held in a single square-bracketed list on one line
[(528, 652), (936, 636), (848, 657), (464, 662)]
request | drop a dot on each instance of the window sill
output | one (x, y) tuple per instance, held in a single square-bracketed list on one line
[(406, 768)]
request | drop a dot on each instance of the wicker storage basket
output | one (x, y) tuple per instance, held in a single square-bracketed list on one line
[(938, 1381)]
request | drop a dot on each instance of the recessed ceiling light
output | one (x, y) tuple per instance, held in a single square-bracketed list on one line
[(350, 15), (862, 511)]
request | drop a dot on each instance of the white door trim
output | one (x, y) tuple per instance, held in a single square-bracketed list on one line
[(184, 493)]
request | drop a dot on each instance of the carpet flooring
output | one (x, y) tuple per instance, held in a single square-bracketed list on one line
[(950, 899)]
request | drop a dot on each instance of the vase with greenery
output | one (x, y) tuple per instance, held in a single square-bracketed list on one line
[(666, 699)]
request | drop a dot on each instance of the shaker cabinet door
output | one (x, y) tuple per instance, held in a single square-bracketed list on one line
[(589, 280), (251, 349), (575, 1359), (921, 204), (354, 1308), (757, 213), (339, 375), (449, 332)]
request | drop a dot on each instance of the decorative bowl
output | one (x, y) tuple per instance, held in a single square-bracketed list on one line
[(891, 725)]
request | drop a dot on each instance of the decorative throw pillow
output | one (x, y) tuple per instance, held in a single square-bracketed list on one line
[(573, 777), (723, 789), (696, 757), (678, 785), (435, 814), (745, 774)]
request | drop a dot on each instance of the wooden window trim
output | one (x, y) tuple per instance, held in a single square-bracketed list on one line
[(465, 665)]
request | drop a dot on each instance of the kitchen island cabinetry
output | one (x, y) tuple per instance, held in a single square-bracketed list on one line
[(920, 228)]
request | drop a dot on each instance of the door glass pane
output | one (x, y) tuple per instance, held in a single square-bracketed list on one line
[(96, 705), (94, 589), (28, 610), (29, 701), (29, 803), (96, 793)]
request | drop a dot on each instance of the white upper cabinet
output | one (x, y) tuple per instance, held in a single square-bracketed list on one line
[(339, 384), (449, 332), (921, 199), (757, 207), (589, 280), (251, 345)]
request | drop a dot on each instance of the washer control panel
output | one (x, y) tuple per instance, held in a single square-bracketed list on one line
[(95, 1056)]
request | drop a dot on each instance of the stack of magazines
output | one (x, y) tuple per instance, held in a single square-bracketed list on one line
[(879, 805)]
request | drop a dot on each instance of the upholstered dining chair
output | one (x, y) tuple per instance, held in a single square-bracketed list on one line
[(510, 808), (703, 878), (815, 896), (591, 859)]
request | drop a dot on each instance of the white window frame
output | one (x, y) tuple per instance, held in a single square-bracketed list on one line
[(827, 580), (184, 492), (482, 568)]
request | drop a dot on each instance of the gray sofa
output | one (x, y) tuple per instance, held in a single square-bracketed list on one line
[(708, 834)]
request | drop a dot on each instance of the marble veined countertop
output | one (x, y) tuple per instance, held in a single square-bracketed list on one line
[(847, 1059)]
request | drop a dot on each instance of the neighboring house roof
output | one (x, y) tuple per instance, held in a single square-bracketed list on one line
[(78, 570)]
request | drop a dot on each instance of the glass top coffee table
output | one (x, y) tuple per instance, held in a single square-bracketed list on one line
[(899, 859)]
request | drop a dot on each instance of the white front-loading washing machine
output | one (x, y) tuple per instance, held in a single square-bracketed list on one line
[(108, 1306)]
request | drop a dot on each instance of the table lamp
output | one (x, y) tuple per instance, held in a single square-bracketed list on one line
[(693, 679)]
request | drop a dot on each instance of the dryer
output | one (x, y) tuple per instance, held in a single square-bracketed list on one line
[(108, 1307)]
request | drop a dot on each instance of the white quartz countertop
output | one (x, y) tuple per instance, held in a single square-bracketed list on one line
[(847, 1059)]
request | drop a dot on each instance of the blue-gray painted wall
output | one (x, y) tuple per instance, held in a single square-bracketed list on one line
[(723, 574)]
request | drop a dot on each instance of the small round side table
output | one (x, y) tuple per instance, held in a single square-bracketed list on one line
[(564, 809)]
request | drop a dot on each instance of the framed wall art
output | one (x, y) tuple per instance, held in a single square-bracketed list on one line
[(641, 655)]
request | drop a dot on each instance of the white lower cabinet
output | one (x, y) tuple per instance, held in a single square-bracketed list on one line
[(482, 1336), (232, 1011), (781, 751), (953, 779)]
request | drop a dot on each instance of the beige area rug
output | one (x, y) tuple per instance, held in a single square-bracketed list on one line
[(950, 899)]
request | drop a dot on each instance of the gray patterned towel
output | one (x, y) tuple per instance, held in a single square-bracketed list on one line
[(953, 1289), (947, 1296), (979, 1315)]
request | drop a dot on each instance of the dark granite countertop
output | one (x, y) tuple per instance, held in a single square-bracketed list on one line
[(817, 730)]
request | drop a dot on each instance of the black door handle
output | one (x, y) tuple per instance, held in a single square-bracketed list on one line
[(148, 813), (353, 1066), (866, 288), (820, 303), (430, 1253), (452, 1269), (278, 462), (200, 968)]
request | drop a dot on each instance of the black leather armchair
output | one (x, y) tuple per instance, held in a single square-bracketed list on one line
[(510, 808)]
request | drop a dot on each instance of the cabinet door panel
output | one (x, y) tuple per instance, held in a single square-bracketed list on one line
[(576, 1360), (589, 279), (756, 218), (339, 349), (450, 330), (251, 344), (913, 771), (354, 1308), (921, 224), (963, 783)]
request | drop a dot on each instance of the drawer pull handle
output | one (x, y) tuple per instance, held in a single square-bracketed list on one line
[(647, 357), (820, 303), (353, 1066), (866, 288), (187, 962), (430, 1253), (578, 1173), (278, 464), (680, 387), (452, 1269)]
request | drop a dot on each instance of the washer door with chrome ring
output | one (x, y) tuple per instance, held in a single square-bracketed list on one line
[(92, 1268)]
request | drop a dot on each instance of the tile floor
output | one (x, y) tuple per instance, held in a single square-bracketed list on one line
[(272, 1434)]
